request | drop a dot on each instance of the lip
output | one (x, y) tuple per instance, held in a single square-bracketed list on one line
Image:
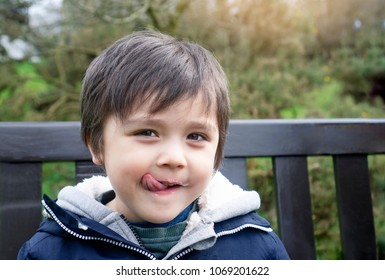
[(171, 183), (152, 184)]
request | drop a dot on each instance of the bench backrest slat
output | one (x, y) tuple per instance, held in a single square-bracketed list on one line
[(294, 206), (24, 146), (20, 207), (355, 207)]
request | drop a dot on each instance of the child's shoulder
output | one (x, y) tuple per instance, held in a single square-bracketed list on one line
[(45, 242), (249, 220), (250, 236)]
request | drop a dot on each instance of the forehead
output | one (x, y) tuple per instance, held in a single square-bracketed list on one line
[(196, 109)]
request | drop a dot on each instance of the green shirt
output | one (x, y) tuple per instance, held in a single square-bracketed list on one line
[(160, 238)]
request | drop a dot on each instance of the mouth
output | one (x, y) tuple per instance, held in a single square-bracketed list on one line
[(151, 184)]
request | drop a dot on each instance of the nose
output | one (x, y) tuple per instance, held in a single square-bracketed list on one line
[(172, 155)]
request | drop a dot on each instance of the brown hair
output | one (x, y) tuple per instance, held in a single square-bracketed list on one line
[(137, 67)]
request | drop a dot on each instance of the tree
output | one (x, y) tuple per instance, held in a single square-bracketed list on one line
[(65, 47)]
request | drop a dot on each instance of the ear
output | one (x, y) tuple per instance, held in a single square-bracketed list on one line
[(96, 158)]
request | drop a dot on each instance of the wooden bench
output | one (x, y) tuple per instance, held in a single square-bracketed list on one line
[(24, 146)]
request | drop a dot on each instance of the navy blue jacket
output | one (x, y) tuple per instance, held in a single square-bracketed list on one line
[(69, 236)]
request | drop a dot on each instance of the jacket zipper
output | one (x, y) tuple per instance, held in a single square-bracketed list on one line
[(242, 227), (85, 237), (223, 233), (181, 254), (132, 229)]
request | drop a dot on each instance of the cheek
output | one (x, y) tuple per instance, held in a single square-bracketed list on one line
[(203, 167), (124, 164), (125, 177)]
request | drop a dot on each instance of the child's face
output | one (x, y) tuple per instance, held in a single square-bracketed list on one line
[(158, 164)]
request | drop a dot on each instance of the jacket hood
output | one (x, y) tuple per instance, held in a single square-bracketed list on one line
[(220, 201)]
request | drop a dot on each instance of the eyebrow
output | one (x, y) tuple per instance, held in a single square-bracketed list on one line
[(151, 121)]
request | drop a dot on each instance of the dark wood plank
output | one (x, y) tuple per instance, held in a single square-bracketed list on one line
[(51, 141), (294, 207), (355, 207), (305, 137), (235, 170), (20, 208), (41, 141)]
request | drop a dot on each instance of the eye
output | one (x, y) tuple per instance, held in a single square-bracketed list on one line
[(196, 137), (147, 133)]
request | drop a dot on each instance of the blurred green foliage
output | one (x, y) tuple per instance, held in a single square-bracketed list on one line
[(57, 175), (301, 60)]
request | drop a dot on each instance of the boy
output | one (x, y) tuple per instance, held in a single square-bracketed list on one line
[(154, 115)]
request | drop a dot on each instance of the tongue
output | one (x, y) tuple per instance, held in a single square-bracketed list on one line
[(149, 182)]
